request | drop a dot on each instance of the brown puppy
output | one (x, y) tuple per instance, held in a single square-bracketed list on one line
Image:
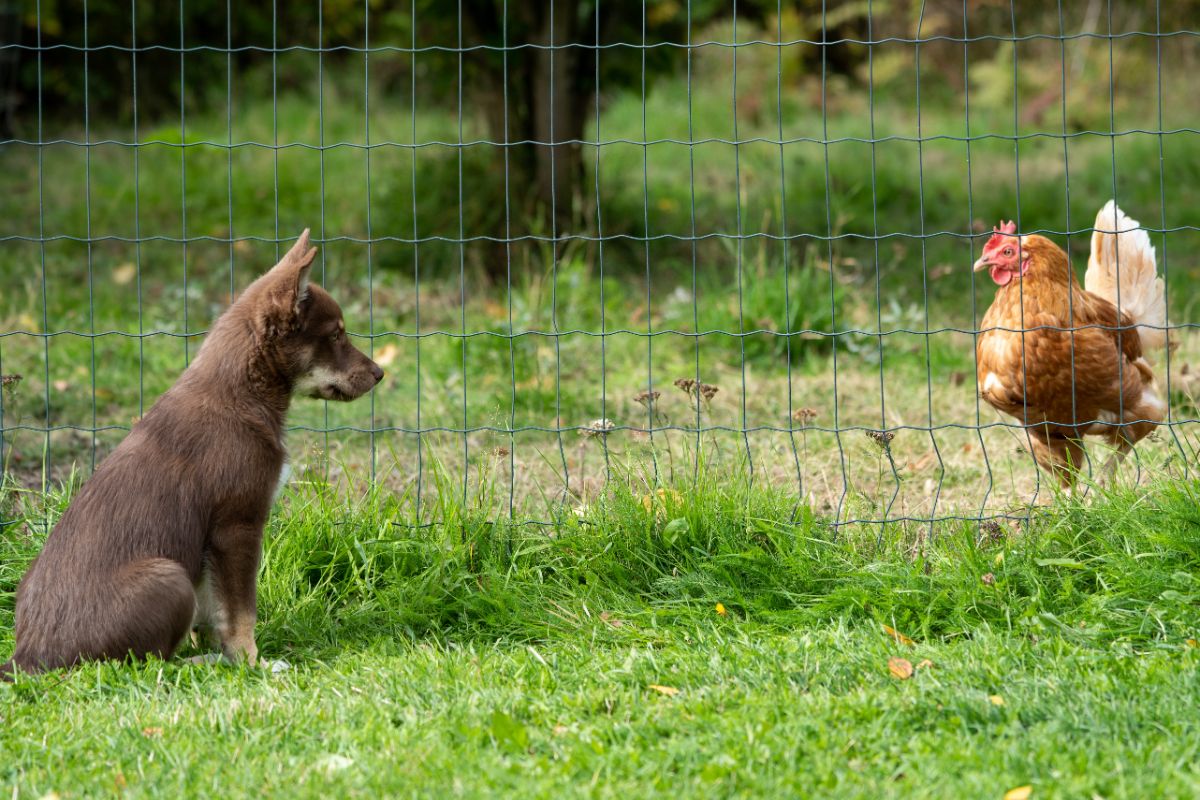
[(168, 530)]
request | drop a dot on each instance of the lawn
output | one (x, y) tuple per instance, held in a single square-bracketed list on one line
[(699, 643)]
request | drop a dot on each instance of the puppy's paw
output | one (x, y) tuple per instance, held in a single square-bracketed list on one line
[(241, 648), (205, 658)]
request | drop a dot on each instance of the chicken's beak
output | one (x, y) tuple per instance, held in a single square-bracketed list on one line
[(982, 264)]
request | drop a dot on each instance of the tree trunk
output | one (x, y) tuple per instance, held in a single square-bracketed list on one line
[(559, 104), (550, 99)]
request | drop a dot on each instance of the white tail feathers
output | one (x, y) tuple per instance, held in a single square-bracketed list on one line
[(1123, 257)]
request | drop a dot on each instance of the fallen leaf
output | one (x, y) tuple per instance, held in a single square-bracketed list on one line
[(561, 730), (995, 699), (1192, 643), (610, 619), (925, 664), (151, 733), (664, 496), (669, 691), (721, 609), (1019, 793), (924, 462), (385, 355), (61, 385), (333, 762), (119, 781), (124, 274), (900, 668), (899, 637)]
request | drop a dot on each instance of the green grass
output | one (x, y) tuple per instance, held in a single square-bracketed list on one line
[(468, 658)]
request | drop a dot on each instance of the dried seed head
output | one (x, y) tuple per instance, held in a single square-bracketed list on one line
[(881, 438), (804, 416), (697, 391), (597, 427), (648, 398), (500, 452), (992, 530), (8, 381), (988, 579)]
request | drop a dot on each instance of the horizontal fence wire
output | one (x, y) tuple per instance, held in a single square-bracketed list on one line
[(604, 46), (484, 242)]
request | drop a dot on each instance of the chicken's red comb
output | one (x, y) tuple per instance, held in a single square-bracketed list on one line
[(999, 235)]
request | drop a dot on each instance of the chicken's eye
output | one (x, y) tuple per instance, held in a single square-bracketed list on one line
[(1008, 251)]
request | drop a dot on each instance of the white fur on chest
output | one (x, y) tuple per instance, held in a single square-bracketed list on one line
[(285, 475), (210, 612)]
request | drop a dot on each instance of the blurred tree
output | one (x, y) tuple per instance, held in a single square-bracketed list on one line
[(554, 55)]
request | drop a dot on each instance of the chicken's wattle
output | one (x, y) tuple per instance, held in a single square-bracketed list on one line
[(1001, 274)]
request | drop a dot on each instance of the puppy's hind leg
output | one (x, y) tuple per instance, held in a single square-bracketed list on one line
[(143, 608), (154, 610)]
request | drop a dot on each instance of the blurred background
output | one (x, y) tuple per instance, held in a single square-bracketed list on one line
[(537, 215)]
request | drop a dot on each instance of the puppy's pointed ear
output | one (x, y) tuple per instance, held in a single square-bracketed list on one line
[(289, 284)]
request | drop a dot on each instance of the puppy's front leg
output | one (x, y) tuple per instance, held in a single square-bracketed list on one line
[(233, 561)]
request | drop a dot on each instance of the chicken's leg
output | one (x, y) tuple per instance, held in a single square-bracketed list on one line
[(1058, 455), (1148, 412)]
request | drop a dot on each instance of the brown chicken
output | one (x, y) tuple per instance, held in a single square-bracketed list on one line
[(1062, 359)]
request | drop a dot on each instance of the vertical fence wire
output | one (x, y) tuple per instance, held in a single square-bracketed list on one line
[(1067, 206), (597, 238), (370, 241), (418, 493), (41, 197), (933, 442), (1187, 459), (462, 270), (969, 255)]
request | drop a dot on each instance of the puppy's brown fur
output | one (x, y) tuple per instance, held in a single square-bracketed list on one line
[(169, 529)]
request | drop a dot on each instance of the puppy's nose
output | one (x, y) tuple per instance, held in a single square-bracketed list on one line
[(376, 372)]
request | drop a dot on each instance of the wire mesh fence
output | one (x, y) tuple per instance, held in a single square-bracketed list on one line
[(653, 243)]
